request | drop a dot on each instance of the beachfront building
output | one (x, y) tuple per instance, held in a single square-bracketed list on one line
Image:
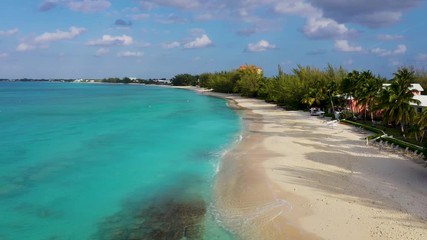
[(415, 88), (162, 81), (254, 68), (423, 103), (84, 80)]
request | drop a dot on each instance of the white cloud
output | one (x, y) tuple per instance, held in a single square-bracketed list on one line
[(3, 55), (130, 54), (324, 28), (400, 49), (344, 46), (171, 19), (181, 4), (102, 52), (388, 37), (379, 18), (243, 12), (89, 5), (371, 13), (170, 45), (9, 32), (23, 47), (108, 40), (200, 42), (317, 24), (59, 35), (42, 40), (260, 46), (48, 5), (297, 7), (197, 31), (146, 5)]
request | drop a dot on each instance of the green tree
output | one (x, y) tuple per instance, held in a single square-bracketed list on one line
[(283, 89), (205, 80), (421, 77), (126, 80), (348, 88), (421, 123), (397, 99), (224, 82), (314, 84), (367, 92), (248, 83), (184, 80)]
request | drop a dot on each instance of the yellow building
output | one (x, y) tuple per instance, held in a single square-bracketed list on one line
[(254, 68)]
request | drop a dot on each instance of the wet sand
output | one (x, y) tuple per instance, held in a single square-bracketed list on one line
[(293, 176)]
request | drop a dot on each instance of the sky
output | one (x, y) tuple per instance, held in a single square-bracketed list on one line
[(162, 38)]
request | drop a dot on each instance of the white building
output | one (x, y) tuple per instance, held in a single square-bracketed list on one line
[(416, 89)]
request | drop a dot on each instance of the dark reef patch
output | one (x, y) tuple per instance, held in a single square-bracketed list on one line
[(167, 219), (175, 212)]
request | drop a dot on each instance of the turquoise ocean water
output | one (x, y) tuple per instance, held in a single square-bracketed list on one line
[(100, 161)]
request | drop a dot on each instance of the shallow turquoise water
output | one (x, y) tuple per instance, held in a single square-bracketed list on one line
[(82, 161)]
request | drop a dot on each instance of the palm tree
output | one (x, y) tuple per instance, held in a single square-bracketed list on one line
[(397, 99), (348, 87), (367, 92), (314, 85), (315, 95), (421, 122)]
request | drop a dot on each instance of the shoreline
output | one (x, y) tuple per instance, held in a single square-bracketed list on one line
[(292, 176)]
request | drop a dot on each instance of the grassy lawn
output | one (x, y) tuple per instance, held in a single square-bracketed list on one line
[(379, 130), (391, 131)]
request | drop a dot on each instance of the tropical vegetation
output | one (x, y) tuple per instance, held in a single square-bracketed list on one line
[(358, 95)]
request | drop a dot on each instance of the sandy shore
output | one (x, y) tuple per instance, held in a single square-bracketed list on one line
[(293, 176)]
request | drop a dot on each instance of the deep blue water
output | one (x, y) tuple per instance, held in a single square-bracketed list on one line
[(104, 161)]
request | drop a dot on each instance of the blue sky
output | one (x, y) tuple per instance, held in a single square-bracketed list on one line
[(162, 38)]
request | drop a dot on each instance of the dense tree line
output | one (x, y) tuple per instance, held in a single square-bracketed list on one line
[(184, 80), (117, 80), (421, 77), (329, 89), (161, 81)]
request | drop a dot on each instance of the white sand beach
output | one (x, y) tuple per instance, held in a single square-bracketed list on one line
[(293, 176)]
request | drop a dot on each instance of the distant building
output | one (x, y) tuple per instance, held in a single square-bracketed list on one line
[(415, 88), (258, 70), (81, 80), (423, 103), (163, 81)]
